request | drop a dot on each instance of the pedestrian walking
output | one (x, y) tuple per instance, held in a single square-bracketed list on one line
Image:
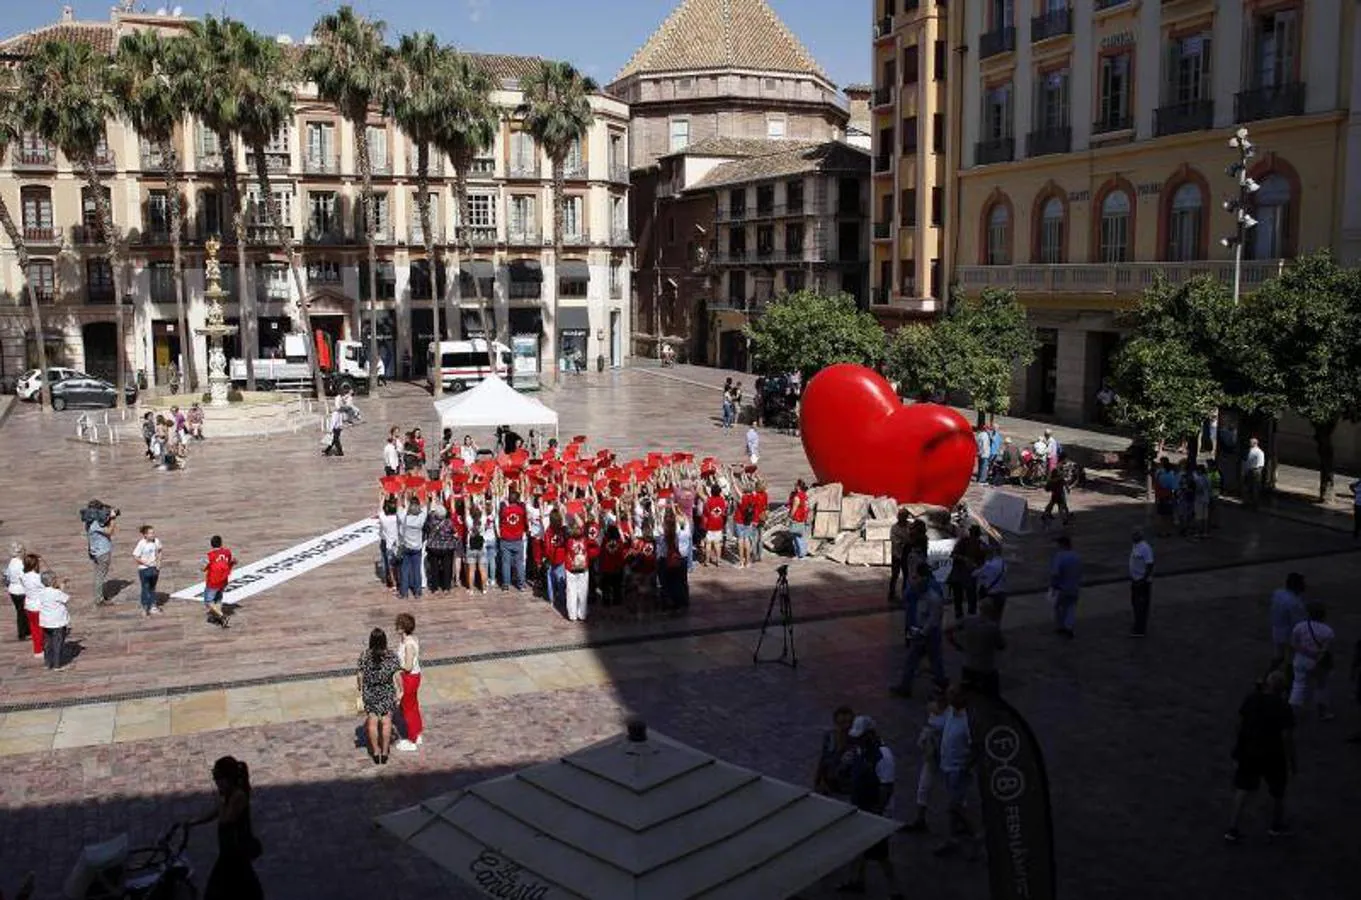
[(1312, 643), (1058, 498), (753, 444), (54, 617), (897, 543), (979, 637), (14, 584), (1065, 582), (233, 875), (1286, 611), (1264, 751), (928, 741), (217, 572), (1140, 582), (1254, 473), (409, 655), (378, 693), (956, 761), (32, 581), (873, 777), (147, 554), (99, 535), (337, 425), (832, 776), (924, 637), (991, 578)]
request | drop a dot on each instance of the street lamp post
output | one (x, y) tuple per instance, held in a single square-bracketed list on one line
[(1238, 206)]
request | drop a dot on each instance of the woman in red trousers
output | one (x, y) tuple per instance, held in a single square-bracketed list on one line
[(409, 653)]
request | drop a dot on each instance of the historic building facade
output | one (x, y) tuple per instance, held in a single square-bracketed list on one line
[(315, 178)]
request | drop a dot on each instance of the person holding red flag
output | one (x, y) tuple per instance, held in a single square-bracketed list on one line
[(613, 554), (715, 518), (578, 565), (512, 525)]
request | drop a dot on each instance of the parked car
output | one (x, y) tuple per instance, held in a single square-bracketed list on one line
[(84, 390), (30, 383)]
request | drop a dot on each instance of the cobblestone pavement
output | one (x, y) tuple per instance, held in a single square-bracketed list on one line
[(1136, 733)]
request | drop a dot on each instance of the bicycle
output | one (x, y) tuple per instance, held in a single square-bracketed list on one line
[(112, 871)]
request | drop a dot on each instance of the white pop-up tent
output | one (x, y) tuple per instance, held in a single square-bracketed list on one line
[(637, 817), (492, 403)]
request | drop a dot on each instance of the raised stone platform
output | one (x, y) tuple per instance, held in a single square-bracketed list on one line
[(258, 413)]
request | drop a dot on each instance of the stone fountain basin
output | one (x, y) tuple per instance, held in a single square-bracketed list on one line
[(257, 413)]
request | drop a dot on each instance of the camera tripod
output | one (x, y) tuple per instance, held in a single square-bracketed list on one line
[(788, 655)]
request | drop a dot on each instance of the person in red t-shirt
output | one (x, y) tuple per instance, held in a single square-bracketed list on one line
[(715, 513), (798, 518), (746, 527), (217, 571), (613, 552), (555, 538), (512, 524), (759, 524), (578, 566)]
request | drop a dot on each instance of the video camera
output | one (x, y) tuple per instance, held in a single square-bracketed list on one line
[(98, 511)]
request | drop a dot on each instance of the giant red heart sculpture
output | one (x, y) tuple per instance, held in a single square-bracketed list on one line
[(858, 433)]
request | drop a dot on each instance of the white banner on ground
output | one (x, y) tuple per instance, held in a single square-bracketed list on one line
[(272, 571)]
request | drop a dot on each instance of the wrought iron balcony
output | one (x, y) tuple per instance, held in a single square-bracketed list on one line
[(1045, 141), (103, 158), (87, 235), (35, 158), (1112, 122), (524, 237), (1179, 118), (100, 294), (619, 173), (998, 41), (1119, 279), (152, 160), (997, 150), (209, 162), (883, 231), (883, 163), (478, 236), (882, 96), (620, 237), (380, 165), (40, 234), (415, 235), (322, 235), (275, 163), (434, 165), (155, 235), (321, 164), (524, 168), (482, 167), (578, 238), (883, 27), (1270, 102), (576, 171), (1052, 24)]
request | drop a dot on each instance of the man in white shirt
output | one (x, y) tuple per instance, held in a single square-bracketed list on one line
[(336, 424), (956, 759), (873, 774), (1254, 469), (54, 619), (147, 553), (753, 445), (1140, 582), (392, 455)]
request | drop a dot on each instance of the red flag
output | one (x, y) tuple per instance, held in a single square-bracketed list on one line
[(392, 484)]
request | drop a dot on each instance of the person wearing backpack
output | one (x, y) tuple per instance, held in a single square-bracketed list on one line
[(746, 528), (217, 571)]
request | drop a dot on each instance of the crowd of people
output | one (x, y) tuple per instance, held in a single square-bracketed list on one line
[(167, 437)]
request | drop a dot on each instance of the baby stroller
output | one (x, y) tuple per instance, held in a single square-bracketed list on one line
[(112, 871)]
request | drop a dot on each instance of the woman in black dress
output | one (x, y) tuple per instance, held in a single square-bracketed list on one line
[(377, 678), (233, 876)]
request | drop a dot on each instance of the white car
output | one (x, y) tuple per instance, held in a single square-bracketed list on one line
[(30, 383)]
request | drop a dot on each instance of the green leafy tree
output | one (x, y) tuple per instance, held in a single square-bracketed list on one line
[(1306, 323), (557, 113), (351, 65), (1165, 391), (64, 97), (916, 359), (807, 331), (149, 85), (9, 134), (988, 337)]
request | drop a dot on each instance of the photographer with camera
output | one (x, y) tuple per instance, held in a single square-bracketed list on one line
[(100, 522)]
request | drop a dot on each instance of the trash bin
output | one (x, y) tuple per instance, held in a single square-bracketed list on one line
[(600, 363)]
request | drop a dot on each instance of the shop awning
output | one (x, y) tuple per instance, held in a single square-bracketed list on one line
[(529, 270), (484, 271), (574, 270), (472, 322), (526, 321), (574, 318)]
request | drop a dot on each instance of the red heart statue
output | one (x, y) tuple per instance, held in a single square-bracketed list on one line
[(857, 432)]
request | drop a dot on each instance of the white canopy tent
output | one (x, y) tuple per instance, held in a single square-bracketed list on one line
[(492, 403), (633, 817)]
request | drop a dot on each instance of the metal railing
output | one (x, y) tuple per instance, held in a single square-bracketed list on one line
[(1115, 278), (523, 168), (524, 237), (883, 27), (275, 163), (319, 235), (1051, 24), (577, 171), (1179, 118), (416, 234), (152, 159), (323, 275), (35, 158), (883, 231), (482, 167), (1045, 141), (40, 234), (619, 173), (1112, 122), (882, 96), (380, 166), (480, 236), (998, 41), (87, 235), (209, 162), (155, 236), (434, 165), (1270, 102), (995, 151), (321, 164), (576, 238)]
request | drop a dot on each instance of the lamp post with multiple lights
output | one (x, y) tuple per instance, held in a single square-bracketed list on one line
[(1238, 206)]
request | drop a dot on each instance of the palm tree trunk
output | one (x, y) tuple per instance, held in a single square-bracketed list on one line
[(249, 325), (171, 162), (105, 213), (16, 238), (432, 265), (361, 149), (551, 327), (461, 199), (285, 237)]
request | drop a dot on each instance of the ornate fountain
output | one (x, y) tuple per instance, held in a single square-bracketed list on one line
[(216, 327)]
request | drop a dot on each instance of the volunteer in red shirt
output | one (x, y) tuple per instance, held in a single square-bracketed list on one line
[(613, 554), (217, 571), (555, 537), (798, 518), (715, 513), (746, 527), (759, 524), (578, 566), (512, 523)]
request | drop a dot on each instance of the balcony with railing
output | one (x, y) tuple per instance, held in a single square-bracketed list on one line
[(997, 150), (523, 168), (1112, 122), (434, 164), (578, 237), (736, 304), (266, 235), (619, 173), (1045, 141), (321, 275), (883, 231), (1179, 118), (1115, 279), (380, 165), (996, 42), (524, 237), (576, 170), (104, 158), (482, 167), (1052, 24), (883, 27), (882, 96), (883, 164), (478, 236), (320, 235), (152, 159), (41, 234), (1274, 101), (34, 157), (271, 290), (275, 163), (384, 233), (321, 164), (209, 162), (155, 236), (416, 234), (87, 235)]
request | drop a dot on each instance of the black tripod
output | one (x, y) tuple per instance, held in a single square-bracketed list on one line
[(788, 655)]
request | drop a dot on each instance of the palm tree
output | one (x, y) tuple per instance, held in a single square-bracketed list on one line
[(64, 97), (421, 105), (265, 108), (9, 133), (218, 50), (349, 63), (148, 84), (557, 114), (468, 129)]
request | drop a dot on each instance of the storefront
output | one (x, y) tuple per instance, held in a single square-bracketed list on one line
[(387, 341), (472, 319), (476, 278), (526, 340), (574, 331), (166, 348), (526, 279)]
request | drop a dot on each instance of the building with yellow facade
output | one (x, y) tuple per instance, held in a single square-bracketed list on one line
[(912, 174), (1093, 153)]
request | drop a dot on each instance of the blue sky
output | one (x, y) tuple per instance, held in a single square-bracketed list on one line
[(597, 35)]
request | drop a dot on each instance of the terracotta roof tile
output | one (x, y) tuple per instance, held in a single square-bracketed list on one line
[(507, 68), (97, 34), (741, 147), (833, 156), (722, 34)]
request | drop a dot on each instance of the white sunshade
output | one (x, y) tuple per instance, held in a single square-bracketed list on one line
[(628, 820), (492, 402)]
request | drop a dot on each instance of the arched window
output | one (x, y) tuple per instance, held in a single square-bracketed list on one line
[(1185, 216), (999, 235), (1115, 227), (1051, 239), (1271, 239)]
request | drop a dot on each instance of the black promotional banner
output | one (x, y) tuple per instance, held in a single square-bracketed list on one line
[(1016, 811)]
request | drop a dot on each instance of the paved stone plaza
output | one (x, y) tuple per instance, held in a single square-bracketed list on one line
[(1136, 733)]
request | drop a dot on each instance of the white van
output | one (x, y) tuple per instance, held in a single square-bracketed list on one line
[(463, 364)]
